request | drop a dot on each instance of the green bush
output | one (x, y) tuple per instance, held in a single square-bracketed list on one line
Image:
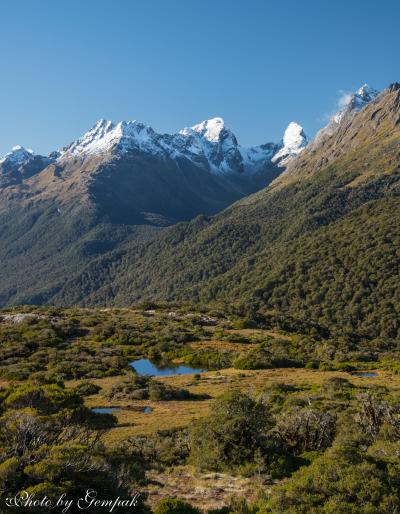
[(231, 435), (174, 506), (87, 388), (137, 387), (49, 446), (340, 483), (254, 359)]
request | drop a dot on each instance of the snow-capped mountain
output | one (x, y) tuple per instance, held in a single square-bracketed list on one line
[(212, 142), (151, 176), (210, 130), (209, 144), (325, 147), (18, 155), (349, 105), (19, 164), (294, 141), (105, 136), (206, 157), (118, 185), (356, 101)]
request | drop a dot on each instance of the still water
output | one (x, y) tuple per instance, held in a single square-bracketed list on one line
[(105, 410), (146, 367)]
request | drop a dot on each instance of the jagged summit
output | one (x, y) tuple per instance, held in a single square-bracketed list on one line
[(209, 129), (18, 155), (349, 105), (19, 164), (294, 141), (356, 101), (395, 86), (367, 93), (105, 135), (207, 144), (363, 125), (294, 138), (213, 141)]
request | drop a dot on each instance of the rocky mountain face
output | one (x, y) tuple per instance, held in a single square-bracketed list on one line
[(209, 145), (116, 183), (133, 175), (20, 164), (350, 104), (347, 132)]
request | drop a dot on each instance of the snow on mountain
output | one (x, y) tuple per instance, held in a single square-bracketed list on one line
[(355, 102), (209, 129), (20, 164), (294, 141), (18, 156), (212, 142), (349, 105), (106, 136), (208, 144), (219, 145)]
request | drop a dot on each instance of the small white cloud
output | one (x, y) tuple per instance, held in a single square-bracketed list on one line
[(344, 99), (327, 116)]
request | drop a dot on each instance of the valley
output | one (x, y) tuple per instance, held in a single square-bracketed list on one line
[(219, 351), (199, 257)]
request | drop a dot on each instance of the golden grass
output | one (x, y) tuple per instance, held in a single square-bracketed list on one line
[(203, 490), (215, 344), (172, 414)]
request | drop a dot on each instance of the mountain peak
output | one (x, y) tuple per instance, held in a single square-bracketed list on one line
[(294, 141), (366, 92), (102, 126), (354, 102), (105, 135), (349, 104), (18, 155), (210, 129), (395, 86), (294, 137)]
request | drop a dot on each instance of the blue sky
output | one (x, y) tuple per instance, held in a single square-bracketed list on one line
[(171, 63)]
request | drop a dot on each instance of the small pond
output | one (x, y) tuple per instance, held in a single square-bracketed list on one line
[(146, 367), (365, 374), (147, 410), (105, 410)]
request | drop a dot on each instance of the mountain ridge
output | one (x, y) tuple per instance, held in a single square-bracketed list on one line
[(195, 143), (240, 254), (91, 246)]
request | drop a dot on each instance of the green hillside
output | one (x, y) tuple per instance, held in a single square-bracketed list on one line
[(320, 242)]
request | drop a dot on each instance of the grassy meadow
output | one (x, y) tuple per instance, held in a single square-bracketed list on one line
[(278, 401)]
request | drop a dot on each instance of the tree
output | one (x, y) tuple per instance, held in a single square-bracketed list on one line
[(305, 430), (231, 435)]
